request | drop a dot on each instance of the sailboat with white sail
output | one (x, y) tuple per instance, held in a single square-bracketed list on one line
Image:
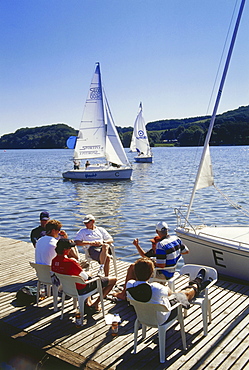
[(224, 247), (98, 138), (139, 141)]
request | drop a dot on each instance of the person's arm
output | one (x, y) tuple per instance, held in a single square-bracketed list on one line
[(84, 243), (184, 249), (63, 234), (139, 248), (74, 253), (109, 241), (33, 239), (84, 275), (34, 236)]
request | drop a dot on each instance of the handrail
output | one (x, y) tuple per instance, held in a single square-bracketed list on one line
[(197, 232), (240, 244), (179, 214)]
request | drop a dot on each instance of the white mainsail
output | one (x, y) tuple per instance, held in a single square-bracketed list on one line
[(114, 149), (139, 140), (92, 132)]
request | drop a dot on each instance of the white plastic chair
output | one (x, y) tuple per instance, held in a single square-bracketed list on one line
[(69, 288), (113, 257), (147, 316), (43, 273), (170, 282), (203, 299)]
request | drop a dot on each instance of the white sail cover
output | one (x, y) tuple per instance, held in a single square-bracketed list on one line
[(140, 141), (114, 149), (92, 133), (205, 177)]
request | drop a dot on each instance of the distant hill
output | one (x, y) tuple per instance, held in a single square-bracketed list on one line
[(231, 128), (44, 137)]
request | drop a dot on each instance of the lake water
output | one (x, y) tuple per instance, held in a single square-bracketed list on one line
[(31, 181)]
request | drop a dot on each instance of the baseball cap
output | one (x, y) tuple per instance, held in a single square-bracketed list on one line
[(65, 243), (161, 226), (88, 218), (44, 216)]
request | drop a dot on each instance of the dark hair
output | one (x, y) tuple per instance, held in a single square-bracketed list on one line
[(163, 231), (63, 244), (144, 268), (53, 225)]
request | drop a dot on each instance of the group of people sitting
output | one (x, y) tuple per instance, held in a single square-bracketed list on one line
[(53, 248)]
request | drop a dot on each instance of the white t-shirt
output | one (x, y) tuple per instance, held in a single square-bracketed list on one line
[(45, 250), (98, 234), (159, 295)]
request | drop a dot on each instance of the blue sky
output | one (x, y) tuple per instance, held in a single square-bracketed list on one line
[(164, 53)]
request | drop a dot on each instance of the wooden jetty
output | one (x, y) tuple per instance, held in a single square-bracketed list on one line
[(40, 331)]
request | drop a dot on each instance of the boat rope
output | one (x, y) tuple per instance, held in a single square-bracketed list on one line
[(235, 205), (127, 256)]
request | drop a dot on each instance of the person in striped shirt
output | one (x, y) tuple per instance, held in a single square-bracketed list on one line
[(168, 251)]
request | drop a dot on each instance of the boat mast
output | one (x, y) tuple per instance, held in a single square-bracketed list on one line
[(206, 144)]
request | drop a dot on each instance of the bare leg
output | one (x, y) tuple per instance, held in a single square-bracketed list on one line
[(130, 275), (189, 292), (107, 266), (106, 290), (104, 258)]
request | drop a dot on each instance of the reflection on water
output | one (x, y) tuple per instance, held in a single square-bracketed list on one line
[(31, 181)]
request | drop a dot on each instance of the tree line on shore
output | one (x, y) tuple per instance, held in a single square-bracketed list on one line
[(231, 128)]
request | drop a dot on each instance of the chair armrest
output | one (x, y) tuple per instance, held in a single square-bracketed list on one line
[(169, 281), (175, 306), (89, 281), (166, 268), (209, 286)]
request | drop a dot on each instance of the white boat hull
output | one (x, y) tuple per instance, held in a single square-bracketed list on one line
[(224, 248), (143, 159), (99, 173)]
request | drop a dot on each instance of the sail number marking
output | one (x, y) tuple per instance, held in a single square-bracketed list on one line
[(218, 256)]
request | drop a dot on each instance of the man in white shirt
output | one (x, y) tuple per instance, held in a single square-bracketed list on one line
[(96, 240), (143, 291), (45, 246)]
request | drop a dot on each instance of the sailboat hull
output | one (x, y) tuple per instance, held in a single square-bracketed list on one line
[(99, 173), (142, 159), (224, 248)]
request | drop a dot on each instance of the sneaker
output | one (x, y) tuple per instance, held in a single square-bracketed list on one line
[(101, 271), (204, 284), (201, 274)]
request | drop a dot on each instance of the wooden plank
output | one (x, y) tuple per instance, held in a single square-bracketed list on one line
[(229, 348), (92, 346)]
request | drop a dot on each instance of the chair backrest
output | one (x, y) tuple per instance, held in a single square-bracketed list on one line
[(42, 272), (192, 271), (68, 283), (147, 312)]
